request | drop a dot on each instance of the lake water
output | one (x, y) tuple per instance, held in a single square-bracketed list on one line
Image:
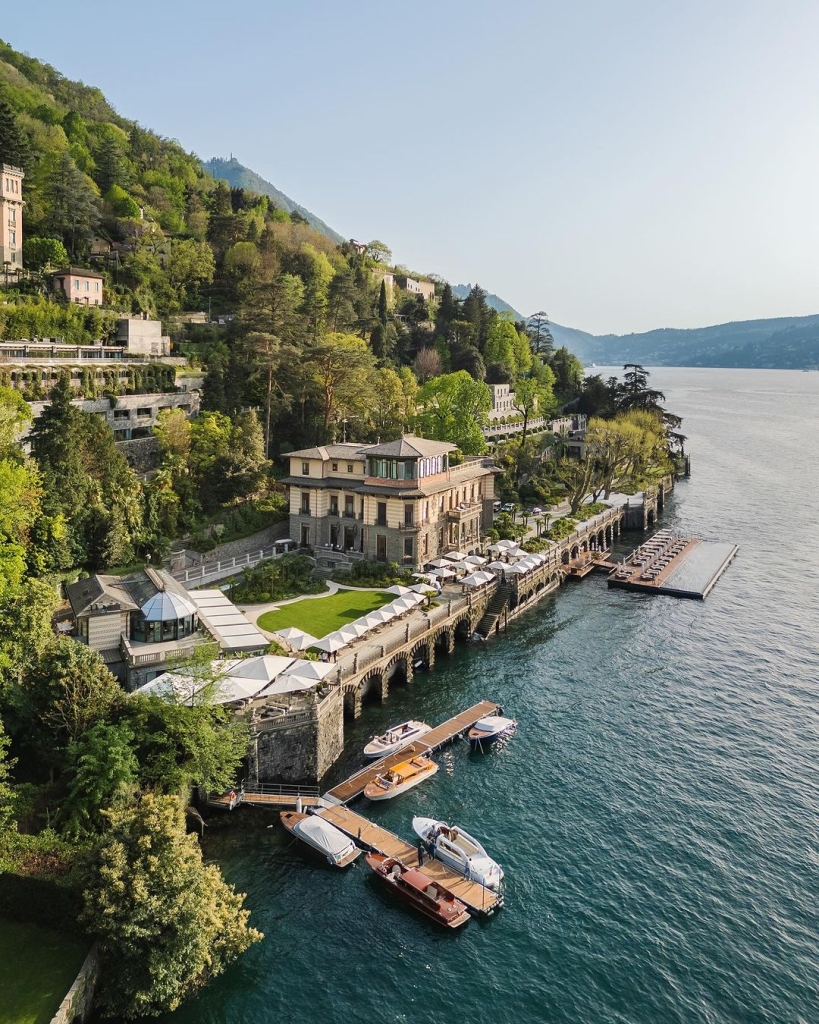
[(656, 813)]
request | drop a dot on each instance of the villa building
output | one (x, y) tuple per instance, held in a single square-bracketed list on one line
[(140, 623), (396, 502), (78, 285), (11, 217), (503, 401), (414, 287)]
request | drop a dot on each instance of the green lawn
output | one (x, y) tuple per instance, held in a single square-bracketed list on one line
[(37, 968), (319, 616)]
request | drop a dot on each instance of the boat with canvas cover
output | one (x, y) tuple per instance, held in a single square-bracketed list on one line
[(459, 850), (419, 890), (322, 836), (490, 728), (400, 778), (396, 737)]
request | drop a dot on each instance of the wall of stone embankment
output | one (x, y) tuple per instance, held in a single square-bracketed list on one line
[(80, 997)]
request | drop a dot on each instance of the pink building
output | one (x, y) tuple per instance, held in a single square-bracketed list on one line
[(11, 217), (78, 285)]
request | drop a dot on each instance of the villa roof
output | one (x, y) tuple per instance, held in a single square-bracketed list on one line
[(411, 447), (99, 593), (155, 591), (330, 451), (77, 272)]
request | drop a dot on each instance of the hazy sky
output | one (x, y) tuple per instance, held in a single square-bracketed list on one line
[(622, 165)]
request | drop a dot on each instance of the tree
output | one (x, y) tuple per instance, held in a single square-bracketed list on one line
[(339, 367), (72, 210), (568, 371), (173, 432), (165, 922), (15, 414), (529, 396), (428, 363), (500, 346), (104, 771), (14, 146), (634, 392), (70, 689), (538, 327), (43, 253), (378, 252), (454, 408), (7, 822), (190, 262)]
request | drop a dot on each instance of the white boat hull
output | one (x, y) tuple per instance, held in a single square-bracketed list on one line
[(382, 747), (476, 865)]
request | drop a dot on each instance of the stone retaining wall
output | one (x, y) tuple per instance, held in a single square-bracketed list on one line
[(80, 997)]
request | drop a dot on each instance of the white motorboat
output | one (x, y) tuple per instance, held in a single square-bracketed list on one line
[(400, 778), (459, 850), (490, 728), (395, 738), (330, 841)]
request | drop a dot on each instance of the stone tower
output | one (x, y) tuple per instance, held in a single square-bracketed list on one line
[(11, 217)]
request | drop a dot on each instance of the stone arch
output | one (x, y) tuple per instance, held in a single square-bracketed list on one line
[(651, 517), (374, 685), (399, 669), (575, 551), (423, 652), (444, 640), (566, 557), (352, 706), (463, 628), (601, 540), (660, 497)]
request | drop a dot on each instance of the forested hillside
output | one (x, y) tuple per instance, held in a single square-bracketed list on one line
[(239, 176)]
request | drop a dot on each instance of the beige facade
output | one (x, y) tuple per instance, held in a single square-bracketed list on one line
[(398, 502), (78, 285), (11, 217), (142, 336), (425, 288), (503, 401)]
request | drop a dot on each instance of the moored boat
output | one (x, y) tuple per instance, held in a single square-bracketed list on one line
[(420, 891), (400, 778), (395, 738), (330, 841), (459, 850), (490, 728)]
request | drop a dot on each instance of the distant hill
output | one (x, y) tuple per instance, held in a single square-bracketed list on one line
[(461, 291), (781, 343), (239, 176)]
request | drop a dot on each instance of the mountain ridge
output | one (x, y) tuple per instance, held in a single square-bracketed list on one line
[(238, 175)]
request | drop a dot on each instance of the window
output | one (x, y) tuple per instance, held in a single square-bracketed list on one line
[(381, 517), (349, 507), (333, 504), (88, 286), (305, 536), (12, 216), (76, 286), (305, 469), (335, 467), (96, 286), (305, 504), (409, 515), (12, 238), (408, 547), (349, 467)]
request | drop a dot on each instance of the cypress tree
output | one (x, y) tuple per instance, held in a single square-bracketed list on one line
[(14, 148)]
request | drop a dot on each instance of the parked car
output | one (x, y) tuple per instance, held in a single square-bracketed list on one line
[(508, 506), (496, 507), (537, 511)]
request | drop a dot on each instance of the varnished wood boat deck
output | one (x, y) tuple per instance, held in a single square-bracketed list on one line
[(438, 737), (282, 801), (480, 900)]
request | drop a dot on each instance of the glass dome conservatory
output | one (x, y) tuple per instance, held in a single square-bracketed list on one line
[(164, 616)]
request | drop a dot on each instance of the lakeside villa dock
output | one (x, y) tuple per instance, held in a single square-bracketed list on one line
[(676, 566), (353, 787), (480, 901)]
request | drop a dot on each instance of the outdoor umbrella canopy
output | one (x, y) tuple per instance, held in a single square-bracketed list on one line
[(484, 577), (475, 560), (381, 614), (423, 589), (498, 566), (471, 581), (404, 604), (288, 684), (352, 630), (264, 667), (303, 642), (331, 643), (443, 574), (455, 556), (506, 544), (396, 588), (440, 563), (312, 671), (423, 576), (290, 633)]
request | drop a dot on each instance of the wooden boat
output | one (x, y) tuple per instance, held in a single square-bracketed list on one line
[(322, 836), (396, 737), (459, 850), (420, 891), (399, 779), (490, 728)]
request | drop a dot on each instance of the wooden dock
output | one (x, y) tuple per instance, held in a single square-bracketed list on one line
[(281, 797), (671, 569), (438, 737), (480, 901)]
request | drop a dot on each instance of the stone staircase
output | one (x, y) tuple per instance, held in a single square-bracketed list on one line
[(494, 610)]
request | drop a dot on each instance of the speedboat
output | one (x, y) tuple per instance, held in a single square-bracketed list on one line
[(490, 728), (330, 841), (400, 778), (459, 850), (395, 738), (420, 891)]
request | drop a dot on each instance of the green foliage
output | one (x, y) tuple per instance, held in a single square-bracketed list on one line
[(277, 579), (104, 772), (44, 253), (454, 408), (42, 318), (165, 922), (374, 574)]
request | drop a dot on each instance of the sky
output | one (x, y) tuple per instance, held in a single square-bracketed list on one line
[(622, 166)]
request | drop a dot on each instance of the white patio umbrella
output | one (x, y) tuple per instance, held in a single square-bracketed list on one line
[(443, 574), (471, 581), (288, 684), (439, 563), (475, 560), (290, 633), (303, 642), (331, 643), (483, 576), (507, 544), (396, 588), (520, 569), (423, 576), (496, 549), (497, 565), (403, 604), (352, 631), (455, 556), (382, 614), (423, 589), (313, 671)]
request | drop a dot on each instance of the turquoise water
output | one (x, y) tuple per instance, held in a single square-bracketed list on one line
[(656, 813)]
